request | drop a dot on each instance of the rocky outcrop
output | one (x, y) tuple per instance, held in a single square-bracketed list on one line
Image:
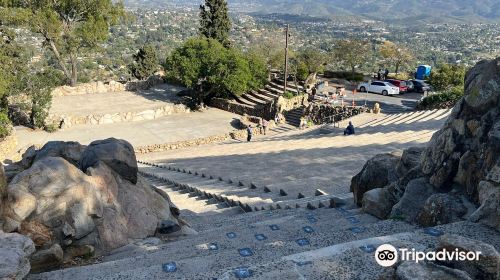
[(428, 271), (67, 210), (15, 250), (378, 202), (119, 155), (70, 151), (488, 265), (441, 209), (377, 173), (459, 167)]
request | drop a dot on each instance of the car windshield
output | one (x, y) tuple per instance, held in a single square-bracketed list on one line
[(403, 83)]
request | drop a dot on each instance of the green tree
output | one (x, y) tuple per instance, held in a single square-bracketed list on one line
[(447, 76), (310, 62), (212, 70), (353, 53), (13, 66), (259, 70), (68, 27), (214, 21), (396, 55), (39, 87), (146, 62)]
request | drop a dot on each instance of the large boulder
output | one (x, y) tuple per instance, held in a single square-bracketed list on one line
[(56, 204), (467, 147), (47, 259), (376, 173), (412, 203), (489, 210), (145, 212), (117, 154), (441, 208), (378, 202), (15, 250), (429, 271), (488, 265), (70, 151), (409, 160)]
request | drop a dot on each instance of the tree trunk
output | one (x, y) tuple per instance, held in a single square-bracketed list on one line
[(74, 71), (397, 68), (59, 59), (352, 73)]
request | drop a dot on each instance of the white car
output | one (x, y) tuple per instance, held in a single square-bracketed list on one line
[(384, 88)]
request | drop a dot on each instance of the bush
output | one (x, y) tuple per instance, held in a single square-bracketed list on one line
[(400, 76), (358, 77), (5, 125), (51, 128), (446, 99), (447, 76), (288, 95)]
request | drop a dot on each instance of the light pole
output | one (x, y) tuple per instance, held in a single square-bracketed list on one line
[(286, 58)]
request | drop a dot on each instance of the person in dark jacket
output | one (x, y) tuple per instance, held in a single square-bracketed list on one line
[(349, 130), (250, 133)]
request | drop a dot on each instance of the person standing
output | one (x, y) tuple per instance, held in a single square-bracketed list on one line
[(379, 74), (265, 124), (386, 74), (261, 125), (249, 133)]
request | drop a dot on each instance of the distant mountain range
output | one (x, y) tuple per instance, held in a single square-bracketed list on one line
[(385, 10)]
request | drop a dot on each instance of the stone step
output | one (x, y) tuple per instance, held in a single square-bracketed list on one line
[(280, 238), (244, 101), (261, 97), (274, 90), (268, 94), (253, 99)]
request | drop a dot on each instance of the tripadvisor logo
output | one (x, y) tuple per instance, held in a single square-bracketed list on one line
[(387, 255)]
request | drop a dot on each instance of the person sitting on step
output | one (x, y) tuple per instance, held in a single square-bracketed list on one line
[(349, 130)]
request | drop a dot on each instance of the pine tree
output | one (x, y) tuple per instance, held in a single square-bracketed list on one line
[(214, 21), (146, 63)]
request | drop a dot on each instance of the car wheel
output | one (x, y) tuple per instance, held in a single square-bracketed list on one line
[(362, 89), (385, 93)]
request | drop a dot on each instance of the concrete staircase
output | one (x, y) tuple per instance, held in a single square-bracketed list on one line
[(291, 219), (265, 95), (296, 244), (292, 117)]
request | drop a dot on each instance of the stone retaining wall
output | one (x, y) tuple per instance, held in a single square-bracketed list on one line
[(64, 121), (237, 134), (110, 87), (267, 111), (285, 104)]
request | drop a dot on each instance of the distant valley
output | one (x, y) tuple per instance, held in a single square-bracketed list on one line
[(395, 11)]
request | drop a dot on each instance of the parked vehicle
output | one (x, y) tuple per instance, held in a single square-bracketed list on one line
[(384, 88), (420, 86), (400, 84), (410, 85)]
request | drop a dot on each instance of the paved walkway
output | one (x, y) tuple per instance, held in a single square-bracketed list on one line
[(306, 161), (120, 102), (178, 127)]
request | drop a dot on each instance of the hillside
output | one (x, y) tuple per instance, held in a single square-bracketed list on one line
[(390, 10)]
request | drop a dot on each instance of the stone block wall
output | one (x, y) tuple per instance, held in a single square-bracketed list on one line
[(151, 114), (110, 87)]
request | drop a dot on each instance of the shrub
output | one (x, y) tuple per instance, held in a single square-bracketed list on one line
[(447, 76), (446, 99), (358, 77), (51, 128), (288, 95), (5, 125)]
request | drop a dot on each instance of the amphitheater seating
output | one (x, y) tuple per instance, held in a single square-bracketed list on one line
[(276, 208)]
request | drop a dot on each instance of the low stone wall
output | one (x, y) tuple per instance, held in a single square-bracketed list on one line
[(323, 113), (8, 145), (110, 87), (237, 134), (64, 121), (285, 104)]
